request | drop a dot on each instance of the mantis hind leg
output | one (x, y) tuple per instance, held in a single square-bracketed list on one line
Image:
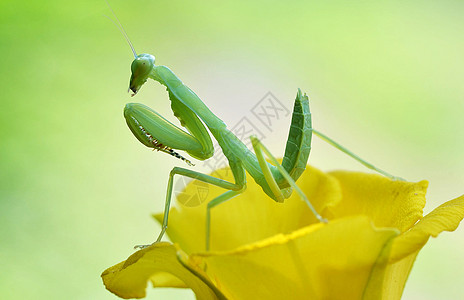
[(260, 149), (351, 154)]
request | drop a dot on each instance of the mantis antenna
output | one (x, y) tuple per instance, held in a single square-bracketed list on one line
[(121, 28)]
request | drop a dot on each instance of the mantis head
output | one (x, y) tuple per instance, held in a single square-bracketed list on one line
[(141, 67)]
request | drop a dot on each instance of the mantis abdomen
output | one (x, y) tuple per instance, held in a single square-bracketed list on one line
[(299, 139)]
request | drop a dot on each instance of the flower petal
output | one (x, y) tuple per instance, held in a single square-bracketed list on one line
[(445, 217), (251, 216), (159, 261), (321, 261), (406, 246), (386, 202), (396, 275)]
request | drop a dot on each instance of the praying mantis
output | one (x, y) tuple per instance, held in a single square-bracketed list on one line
[(154, 131)]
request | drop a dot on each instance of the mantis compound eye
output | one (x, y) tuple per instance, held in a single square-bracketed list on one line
[(141, 67)]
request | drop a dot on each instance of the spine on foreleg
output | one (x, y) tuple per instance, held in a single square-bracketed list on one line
[(299, 138)]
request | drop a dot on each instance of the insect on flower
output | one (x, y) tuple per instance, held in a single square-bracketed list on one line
[(154, 131)]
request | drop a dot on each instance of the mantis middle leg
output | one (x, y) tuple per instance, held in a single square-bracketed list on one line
[(234, 190)]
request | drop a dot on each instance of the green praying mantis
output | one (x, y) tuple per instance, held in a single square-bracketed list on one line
[(154, 131)]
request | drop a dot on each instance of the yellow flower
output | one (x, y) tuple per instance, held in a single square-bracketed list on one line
[(261, 249)]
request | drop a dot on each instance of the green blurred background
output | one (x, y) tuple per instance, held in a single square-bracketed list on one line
[(77, 190)]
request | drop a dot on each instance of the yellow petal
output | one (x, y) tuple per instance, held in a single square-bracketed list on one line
[(445, 217), (406, 246), (396, 275), (386, 202), (332, 261), (251, 216), (129, 279)]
